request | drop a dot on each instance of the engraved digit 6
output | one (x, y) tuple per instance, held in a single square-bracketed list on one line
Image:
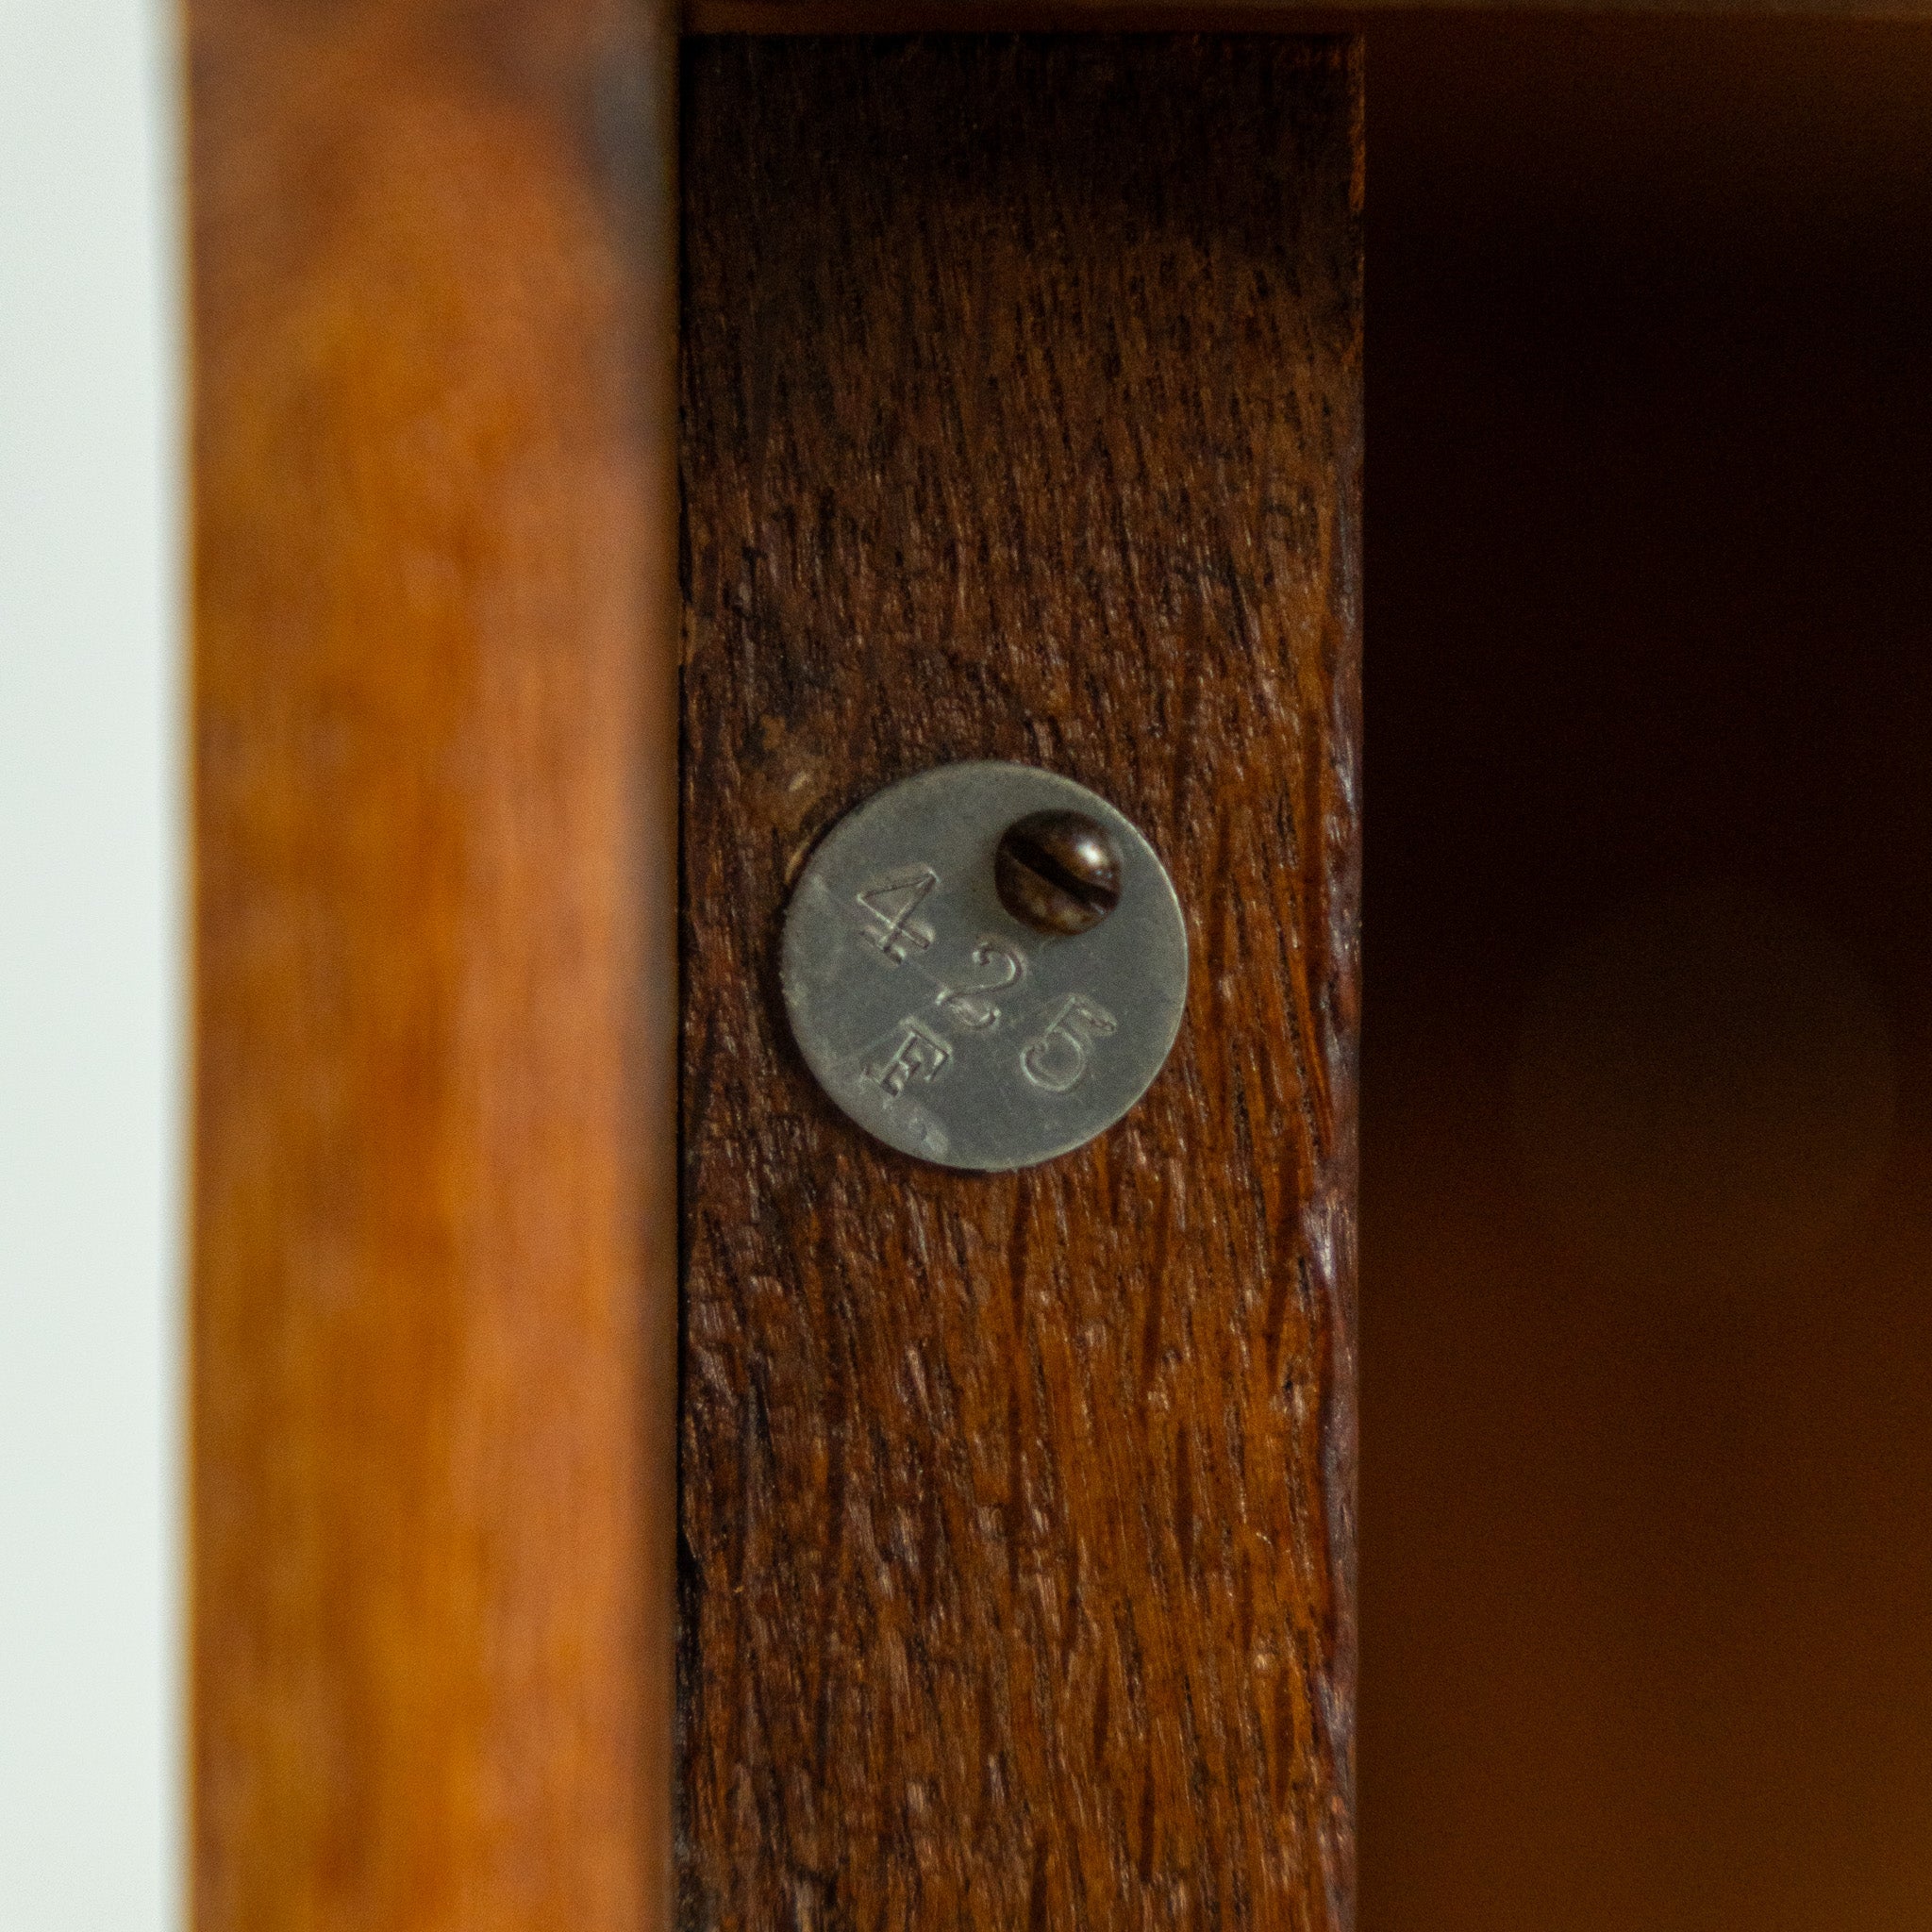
[(963, 1002), (1057, 1061)]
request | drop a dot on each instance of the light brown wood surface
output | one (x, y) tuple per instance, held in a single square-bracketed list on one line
[(433, 1327), (1022, 419)]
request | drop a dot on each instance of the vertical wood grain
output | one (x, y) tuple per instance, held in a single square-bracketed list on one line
[(1022, 419), (433, 1328)]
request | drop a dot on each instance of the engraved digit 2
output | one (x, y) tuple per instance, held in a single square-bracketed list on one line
[(1057, 1061), (963, 1003), (892, 902)]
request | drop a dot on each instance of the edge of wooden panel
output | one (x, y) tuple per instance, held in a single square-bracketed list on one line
[(434, 714), (705, 17)]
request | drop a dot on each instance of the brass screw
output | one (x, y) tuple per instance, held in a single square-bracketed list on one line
[(1058, 872)]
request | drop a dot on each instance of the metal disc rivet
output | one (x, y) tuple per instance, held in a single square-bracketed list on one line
[(985, 965)]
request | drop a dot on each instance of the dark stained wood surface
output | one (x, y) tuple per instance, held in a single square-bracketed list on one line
[(1022, 419), (433, 1327)]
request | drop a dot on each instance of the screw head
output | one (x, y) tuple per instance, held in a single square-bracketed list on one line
[(1058, 872)]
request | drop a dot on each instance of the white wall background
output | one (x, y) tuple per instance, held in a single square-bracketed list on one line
[(90, 968)]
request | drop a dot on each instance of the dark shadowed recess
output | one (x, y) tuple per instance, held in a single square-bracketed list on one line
[(1647, 1394)]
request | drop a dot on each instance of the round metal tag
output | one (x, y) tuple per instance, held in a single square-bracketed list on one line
[(936, 1019)]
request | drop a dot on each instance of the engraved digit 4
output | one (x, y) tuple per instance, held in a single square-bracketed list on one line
[(1057, 1061), (892, 902), (965, 1004)]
